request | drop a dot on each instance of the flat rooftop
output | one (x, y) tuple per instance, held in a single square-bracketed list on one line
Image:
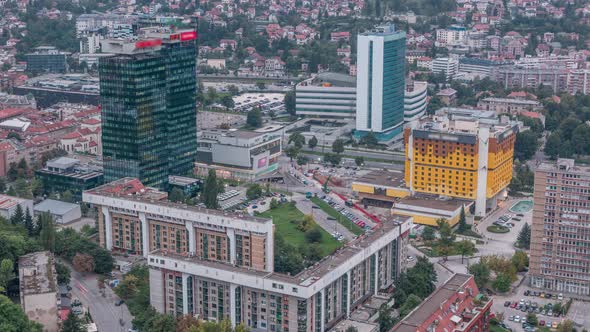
[(564, 165), (313, 273), (433, 202), (6, 202), (383, 178), (36, 273), (132, 189), (432, 303)]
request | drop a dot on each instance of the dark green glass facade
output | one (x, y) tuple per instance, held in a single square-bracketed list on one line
[(149, 113), (181, 87), (133, 99), (394, 52)]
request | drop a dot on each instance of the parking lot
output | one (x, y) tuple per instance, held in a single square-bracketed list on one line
[(540, 306), (266, 101)]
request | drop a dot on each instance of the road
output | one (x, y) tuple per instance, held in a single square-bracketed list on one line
[(321, 218), (102, 309)]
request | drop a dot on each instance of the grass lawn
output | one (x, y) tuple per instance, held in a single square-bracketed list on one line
[(498, 229), (284, 218), (432, 250), (342, 220), (496, 328), (469, 232)]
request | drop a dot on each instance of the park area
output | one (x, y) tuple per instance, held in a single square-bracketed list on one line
[(288, 221)]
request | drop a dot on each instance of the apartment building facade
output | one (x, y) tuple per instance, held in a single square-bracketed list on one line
[(560, 240), (217, 265), (461, 153)]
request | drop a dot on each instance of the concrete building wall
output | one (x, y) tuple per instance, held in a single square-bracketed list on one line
[(42, 308)]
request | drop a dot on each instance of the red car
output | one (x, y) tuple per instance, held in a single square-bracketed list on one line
[(513, 305), (542, 323)]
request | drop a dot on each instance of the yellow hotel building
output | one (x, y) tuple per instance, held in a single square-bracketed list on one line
[(461, 153)]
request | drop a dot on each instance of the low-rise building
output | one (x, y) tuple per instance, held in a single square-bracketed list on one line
[(8, 205), (455, 306), (67, 174), (38, 289), (508, 105), (62, 212), (53, 88), (380, 188), (427, 209), (327, 95), (46, 59), (447, 96), (415, 100), (237, 154), (445, 66)]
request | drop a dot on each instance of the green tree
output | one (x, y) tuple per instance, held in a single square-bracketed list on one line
[(399, 296), (67, 196), (369, 140), (462, 222), (233, 89), (63, 273), (290, 102), (502, 283), (254, 118), (211, 189), (428, 234), (297, 139), (481, 273), (18, 218), (37, 188), (254, 191), (73, 324), (260, 85), (312, 143), (524, 237), (526, 145), (13, 319), (292, 152), (445, 232), (6, 273), (566, 326), (465, 248), (22, 189), (2, 184), (313, 235), (287, 258), (176, 195), (385, 318), (29, 223), (332, 158), (520, 260), (359, 161), (553, 145), (338, 146), (227, 101), (47, 234), (531, 318), (411, 302), (103, 260)]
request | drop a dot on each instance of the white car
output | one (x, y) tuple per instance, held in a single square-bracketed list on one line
[(560, 296), (517, 319)]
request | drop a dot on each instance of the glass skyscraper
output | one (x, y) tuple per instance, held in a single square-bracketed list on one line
[(148, 106), (380, 82)]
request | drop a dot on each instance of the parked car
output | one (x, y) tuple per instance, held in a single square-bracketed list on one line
[(118, 303), (507, 303), (560, 296)]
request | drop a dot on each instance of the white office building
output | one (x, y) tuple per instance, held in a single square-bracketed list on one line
[(448, 66), (327, 94), (380, 82)]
